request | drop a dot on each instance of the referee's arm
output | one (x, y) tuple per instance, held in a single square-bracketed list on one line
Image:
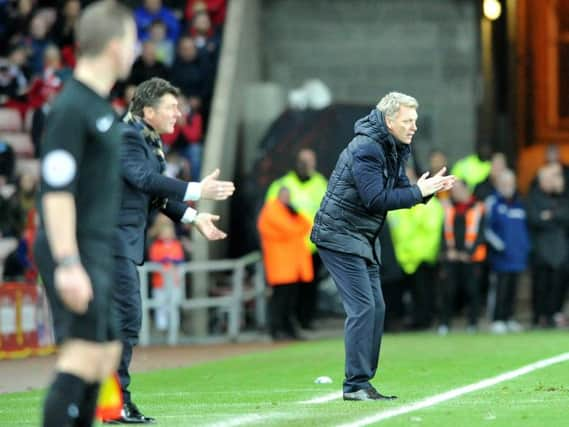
[(62, 156)]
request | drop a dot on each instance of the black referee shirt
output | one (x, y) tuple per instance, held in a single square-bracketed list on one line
[(80, 155)]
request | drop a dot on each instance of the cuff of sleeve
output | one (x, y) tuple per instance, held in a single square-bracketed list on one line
[(417, 193), (189, 216), (193, 191)]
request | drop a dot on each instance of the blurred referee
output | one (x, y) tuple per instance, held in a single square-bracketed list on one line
[(79, 200)]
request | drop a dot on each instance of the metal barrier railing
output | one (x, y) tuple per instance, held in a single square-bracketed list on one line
[(176, 296)]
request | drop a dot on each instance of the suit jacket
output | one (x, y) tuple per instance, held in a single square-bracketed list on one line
[(145, 189)]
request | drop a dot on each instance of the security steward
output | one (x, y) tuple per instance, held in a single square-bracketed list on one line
[(153, 111)]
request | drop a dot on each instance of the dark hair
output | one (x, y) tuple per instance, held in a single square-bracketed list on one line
[(99, 23), (148, 94)]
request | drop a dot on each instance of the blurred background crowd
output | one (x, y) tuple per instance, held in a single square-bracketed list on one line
[(177, 40), (492, 253)]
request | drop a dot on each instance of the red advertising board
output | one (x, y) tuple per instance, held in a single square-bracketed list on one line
[(25, 323)]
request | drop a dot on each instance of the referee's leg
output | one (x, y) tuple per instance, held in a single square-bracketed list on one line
[(87, 354)]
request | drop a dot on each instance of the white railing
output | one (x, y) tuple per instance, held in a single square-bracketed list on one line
[(176, 298)]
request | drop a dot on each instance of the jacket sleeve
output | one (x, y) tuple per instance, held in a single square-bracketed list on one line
[(134, 170), (480, 237), (537, 204), (368, 170), (403, 182), (174, 210), (493, 239)]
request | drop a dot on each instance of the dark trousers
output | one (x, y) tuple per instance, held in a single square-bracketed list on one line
[(502, 295), (464, 276), (126, 295), (359, 287), (423, 295), (307, 296), (547, 291), (282, 308)]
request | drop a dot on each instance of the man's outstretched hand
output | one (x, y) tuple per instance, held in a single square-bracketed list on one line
[(204, 224), (437, 182), (214, 189)]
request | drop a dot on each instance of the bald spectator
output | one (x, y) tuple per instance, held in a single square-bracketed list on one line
[(508, 241), (498, 164), (548, 217)]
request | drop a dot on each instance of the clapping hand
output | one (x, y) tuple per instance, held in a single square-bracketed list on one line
[(204, 224), (435, 183), (214, 189)]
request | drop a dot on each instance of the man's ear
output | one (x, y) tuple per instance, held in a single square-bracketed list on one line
[(148, 113), (389, 122)]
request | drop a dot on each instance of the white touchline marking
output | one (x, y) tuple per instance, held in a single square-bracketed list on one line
[(425, 403), (239, 421), (324, 399), (451, 394)]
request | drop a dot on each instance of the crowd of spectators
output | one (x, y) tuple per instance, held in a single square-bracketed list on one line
[(177, 40), (486, 236)]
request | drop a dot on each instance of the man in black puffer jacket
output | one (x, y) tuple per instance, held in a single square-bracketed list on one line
[(368, 181)]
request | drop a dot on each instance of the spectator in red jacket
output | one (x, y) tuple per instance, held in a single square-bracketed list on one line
[(216, 9), (205, 37), (50, 82)]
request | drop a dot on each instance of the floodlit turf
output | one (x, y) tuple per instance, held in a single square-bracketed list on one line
[(266, 388)]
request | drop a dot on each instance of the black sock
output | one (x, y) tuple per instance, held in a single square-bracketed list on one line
[(61, 406), (88, 406)]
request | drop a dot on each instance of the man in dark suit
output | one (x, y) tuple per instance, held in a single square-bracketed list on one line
[(153, 111), (368, 181)]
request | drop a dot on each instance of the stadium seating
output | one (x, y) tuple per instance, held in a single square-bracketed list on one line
[(10, 120), (21, 142)]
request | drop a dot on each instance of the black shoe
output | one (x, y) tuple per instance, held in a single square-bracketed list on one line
[(131, 415), (367, 394)]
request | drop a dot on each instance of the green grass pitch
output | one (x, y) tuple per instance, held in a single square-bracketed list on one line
[(268, 388)]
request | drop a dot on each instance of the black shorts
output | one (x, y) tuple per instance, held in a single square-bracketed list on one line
[(98, 323)]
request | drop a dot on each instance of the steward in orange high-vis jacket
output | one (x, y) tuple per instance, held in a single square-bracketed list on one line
[(286, 258), (464, 251)]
